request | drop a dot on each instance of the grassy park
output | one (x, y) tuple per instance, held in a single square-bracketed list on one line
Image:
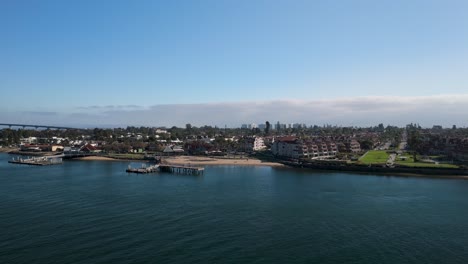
[(127, 156), (409, 161), (374, 157)]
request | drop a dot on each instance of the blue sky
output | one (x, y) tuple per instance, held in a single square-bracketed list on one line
[(104, 61)]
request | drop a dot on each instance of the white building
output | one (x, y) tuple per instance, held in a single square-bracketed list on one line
[(288, 147), (258, 144), (160, 131), (253, 144), (29, 140)]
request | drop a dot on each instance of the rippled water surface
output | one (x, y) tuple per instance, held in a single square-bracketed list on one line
[(93, 212)]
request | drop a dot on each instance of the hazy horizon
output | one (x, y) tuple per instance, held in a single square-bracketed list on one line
[(359, 111)]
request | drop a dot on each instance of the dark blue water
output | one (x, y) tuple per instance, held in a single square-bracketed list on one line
[(93, 212)]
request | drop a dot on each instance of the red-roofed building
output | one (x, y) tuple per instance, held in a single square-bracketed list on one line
[(90, 149), (292, 147)]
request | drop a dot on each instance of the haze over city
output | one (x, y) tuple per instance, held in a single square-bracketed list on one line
[(349, 63)]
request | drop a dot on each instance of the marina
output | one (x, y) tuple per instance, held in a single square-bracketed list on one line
[(143, 169), (38, 161)]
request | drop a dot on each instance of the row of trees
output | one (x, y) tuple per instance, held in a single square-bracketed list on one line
[(13, 136)]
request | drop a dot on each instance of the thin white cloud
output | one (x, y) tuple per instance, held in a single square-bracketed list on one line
[(107, 107), (444, 110)]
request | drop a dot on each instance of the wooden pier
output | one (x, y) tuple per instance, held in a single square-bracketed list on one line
[(182, 169), (189, 170)]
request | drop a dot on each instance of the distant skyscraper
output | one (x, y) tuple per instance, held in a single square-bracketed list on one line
[(278, 126), (299, 125)]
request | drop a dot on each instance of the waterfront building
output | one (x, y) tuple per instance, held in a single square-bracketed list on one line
[(173, 150), (295, 148), (90, 148), (350, 146)]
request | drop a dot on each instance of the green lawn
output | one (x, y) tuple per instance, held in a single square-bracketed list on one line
[(410, 163), (130, 156), (375, 157)]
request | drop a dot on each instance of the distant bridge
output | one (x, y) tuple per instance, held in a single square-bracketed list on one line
[(36, 126)]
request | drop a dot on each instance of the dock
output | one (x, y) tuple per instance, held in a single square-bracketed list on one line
[(179, 169), (38, 161), (143, 169)]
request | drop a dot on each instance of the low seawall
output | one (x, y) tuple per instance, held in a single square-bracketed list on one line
[(32, 153), (381, 170)]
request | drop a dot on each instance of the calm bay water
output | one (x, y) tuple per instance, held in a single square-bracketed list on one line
[(93, 212)]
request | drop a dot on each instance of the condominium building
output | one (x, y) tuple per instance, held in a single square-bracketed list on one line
[(292, 147)]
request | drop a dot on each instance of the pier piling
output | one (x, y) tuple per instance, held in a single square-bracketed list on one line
[(179, 169)]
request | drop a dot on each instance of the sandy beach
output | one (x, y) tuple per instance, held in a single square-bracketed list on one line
[(7, 149), (193, 160)]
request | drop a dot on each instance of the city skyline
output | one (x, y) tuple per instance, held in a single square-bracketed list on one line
[(118, 63), (360, 112)]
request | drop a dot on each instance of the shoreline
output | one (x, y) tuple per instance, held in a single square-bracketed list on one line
[(210, 161), (8, 150), (96, 158), (397, 171), (195, 160), (391, 174)]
